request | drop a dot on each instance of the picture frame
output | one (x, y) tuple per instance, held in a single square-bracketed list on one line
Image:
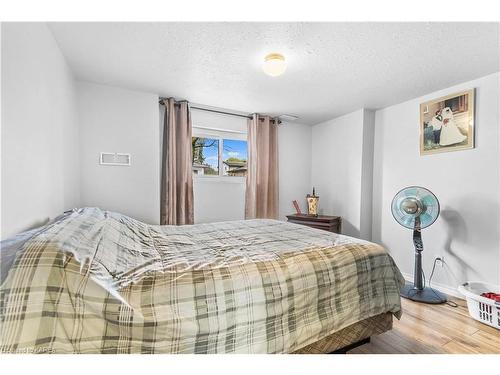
[(447, 123)]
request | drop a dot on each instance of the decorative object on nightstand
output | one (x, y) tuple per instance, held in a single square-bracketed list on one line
[(297, 208), (312, 203), (329, 223)]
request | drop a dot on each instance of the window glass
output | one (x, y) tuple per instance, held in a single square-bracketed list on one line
[(205, 156), (234, 158)]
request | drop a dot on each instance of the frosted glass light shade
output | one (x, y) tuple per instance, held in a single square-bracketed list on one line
[(274, 64)]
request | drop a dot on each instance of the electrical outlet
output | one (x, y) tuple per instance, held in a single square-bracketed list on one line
[(439, 260)]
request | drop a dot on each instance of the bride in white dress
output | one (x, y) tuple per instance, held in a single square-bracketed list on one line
[(450, 134)]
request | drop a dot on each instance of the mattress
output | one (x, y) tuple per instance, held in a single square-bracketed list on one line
[(101, 282)]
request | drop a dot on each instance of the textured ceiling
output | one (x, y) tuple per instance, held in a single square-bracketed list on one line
[(333, 68)]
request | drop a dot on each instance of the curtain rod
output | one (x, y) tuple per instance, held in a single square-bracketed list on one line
[(221, 112)]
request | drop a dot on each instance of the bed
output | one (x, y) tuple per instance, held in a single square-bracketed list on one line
[(95, 281)]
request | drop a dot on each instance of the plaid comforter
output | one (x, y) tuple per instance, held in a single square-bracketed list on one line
[(101, 282)]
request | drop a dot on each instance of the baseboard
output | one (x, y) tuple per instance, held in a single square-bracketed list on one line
[(439, 287)]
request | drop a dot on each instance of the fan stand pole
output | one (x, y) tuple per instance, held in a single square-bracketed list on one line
[(418, 282), (417, 291)]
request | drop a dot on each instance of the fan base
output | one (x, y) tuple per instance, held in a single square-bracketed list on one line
[(426, 295)]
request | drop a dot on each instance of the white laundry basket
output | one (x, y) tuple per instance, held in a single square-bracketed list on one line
[(480, 308)]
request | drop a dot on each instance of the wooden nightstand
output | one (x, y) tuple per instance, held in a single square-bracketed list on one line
[(329, 223)]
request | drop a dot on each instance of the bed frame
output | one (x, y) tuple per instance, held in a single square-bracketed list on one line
[(350, 337)]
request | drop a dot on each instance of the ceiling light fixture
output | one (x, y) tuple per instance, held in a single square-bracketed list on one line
[(274, 64)]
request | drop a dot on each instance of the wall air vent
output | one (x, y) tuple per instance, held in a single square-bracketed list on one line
[(288, 118), (113, 158)]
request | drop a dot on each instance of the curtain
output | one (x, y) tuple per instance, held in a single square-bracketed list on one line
[(261, 199), (176, 202)]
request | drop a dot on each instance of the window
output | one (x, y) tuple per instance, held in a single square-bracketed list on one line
[(219, 156)]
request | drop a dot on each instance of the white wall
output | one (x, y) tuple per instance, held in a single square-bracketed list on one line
[(40, 151), (294, 166), (216, 200), (465, 182), (366, 191), (119, 120), (342, 170)]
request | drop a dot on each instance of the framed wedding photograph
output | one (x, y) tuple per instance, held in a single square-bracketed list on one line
[(447, 123)]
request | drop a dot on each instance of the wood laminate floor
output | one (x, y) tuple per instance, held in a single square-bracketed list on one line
[(434, 329)]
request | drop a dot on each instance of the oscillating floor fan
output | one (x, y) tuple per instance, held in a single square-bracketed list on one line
[(417, 208)]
